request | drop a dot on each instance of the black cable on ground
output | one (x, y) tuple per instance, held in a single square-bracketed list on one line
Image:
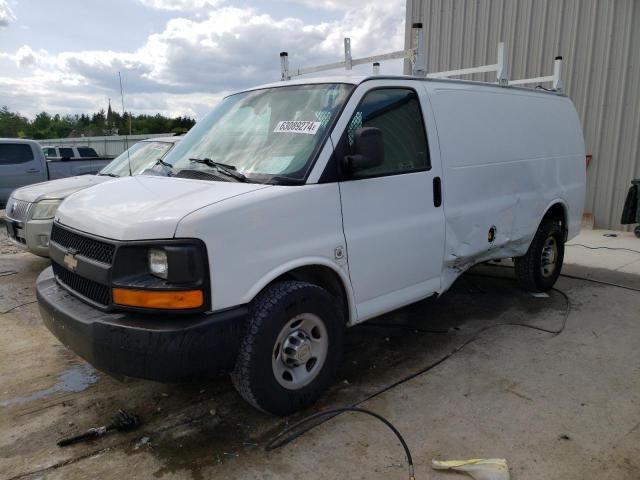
[(400, 326), (473, 338), (285, 436), (575, 277), (600, 247), (601, 282), (18, 306), (289, 434)]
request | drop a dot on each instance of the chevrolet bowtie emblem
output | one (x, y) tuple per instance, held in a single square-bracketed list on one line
[(70, 261)]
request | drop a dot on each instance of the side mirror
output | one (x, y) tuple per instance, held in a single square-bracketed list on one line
[(369, 149)]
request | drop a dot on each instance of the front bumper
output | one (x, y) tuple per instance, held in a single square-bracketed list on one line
[(165, 348), (32, 235)]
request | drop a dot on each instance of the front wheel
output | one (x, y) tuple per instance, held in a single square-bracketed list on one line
[(291, 349), (539, 269)]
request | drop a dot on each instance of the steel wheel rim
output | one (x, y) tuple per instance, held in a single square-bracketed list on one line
[(549, 257), (300, 351)]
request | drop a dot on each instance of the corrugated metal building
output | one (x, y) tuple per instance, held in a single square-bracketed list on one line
[(600, 43)]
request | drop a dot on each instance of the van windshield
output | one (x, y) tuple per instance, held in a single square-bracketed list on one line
[(270, 135), (140, 156)]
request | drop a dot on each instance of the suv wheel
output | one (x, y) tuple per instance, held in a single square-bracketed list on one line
[(291, 349), (539, 268)]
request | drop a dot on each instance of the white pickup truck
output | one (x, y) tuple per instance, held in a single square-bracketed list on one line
[(296, 209)]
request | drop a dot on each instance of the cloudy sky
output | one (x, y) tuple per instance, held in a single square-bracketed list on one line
[(176, 56)]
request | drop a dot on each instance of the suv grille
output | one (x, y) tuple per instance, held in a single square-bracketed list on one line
[(17, 209), (87, 288), (95, 249)]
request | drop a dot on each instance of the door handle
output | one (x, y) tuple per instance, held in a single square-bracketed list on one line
[(33, 170), (437, 192)]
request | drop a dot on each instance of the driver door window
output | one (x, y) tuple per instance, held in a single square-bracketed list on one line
[(396, 112)]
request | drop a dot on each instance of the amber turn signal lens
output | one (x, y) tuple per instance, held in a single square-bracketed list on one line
[(169, 300)]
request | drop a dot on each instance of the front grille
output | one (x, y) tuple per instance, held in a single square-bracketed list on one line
[(87, 288), (95, 249), (17, 209)]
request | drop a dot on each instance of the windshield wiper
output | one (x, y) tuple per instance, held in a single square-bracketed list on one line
[(108, 175), (164, 164), (228, 170)]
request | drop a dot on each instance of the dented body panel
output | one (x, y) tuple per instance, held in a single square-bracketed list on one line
[(508, 155)]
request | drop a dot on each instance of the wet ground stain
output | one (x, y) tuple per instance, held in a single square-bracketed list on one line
[(74, 380)]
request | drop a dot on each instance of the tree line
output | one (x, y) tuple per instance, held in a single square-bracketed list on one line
[(46, 125)]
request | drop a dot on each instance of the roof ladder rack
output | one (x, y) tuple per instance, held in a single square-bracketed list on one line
[(500, 67), (555, 79), (417, 57)]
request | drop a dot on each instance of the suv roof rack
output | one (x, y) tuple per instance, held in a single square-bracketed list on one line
[(417, 57)]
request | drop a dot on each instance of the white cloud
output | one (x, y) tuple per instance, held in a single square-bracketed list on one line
[(6, 14), (26, 57), (333, 4), (184, 68), (179, 5)]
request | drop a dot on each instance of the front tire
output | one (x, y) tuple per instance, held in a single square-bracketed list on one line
[(291, 349), (539, 269)]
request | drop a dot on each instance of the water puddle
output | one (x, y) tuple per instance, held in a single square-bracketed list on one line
[(76, 379)]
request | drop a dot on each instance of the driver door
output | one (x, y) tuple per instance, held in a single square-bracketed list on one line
[(392, 213)]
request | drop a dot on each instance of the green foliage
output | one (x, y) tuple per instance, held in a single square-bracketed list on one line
[(12, 124), (45, 125)]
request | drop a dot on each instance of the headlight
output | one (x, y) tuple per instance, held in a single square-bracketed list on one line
[(158, 264), (45, 210)]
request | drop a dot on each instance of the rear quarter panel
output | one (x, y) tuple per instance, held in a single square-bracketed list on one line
[(507, 155)]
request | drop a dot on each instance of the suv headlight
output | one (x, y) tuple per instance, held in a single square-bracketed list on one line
[(158, 264), (45, 209)]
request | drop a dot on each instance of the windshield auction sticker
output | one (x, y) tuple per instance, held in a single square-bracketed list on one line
[(297, 126)]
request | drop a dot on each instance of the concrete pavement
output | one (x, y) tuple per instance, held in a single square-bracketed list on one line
[(565, 406)]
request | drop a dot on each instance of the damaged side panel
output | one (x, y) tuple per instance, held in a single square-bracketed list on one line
[(507, 157)]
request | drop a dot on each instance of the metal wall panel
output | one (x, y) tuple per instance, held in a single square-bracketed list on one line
[(600, 43)]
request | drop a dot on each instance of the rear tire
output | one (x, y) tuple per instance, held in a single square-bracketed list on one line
[(291, 349), (539, 269), (637, 231)]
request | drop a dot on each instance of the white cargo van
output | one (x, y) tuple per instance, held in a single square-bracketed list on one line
[(296, 209)]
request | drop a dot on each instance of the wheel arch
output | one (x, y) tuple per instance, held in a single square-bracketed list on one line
[(559, 211), (318, 271)]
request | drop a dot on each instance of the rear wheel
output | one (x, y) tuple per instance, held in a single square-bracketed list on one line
[(637, 231), (291, 349), (539, 269)]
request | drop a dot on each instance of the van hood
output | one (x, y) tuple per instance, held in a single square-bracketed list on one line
[(57, 189), (143, 207)]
